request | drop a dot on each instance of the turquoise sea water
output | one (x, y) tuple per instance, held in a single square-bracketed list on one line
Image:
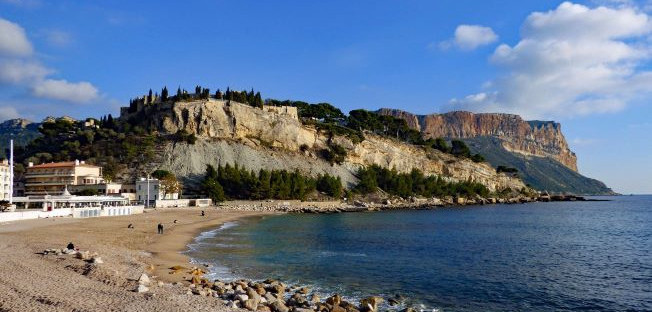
[(589, 256)]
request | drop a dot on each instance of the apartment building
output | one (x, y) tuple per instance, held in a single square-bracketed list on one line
[(54, 178)]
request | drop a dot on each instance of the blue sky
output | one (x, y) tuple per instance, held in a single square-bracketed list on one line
[(584, 64)]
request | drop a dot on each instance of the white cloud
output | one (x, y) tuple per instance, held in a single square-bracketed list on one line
[(19, 67), (58, 38), (18, 71), (8, 112), (468, 37), (13, 41), (572, 60), (78, 92)]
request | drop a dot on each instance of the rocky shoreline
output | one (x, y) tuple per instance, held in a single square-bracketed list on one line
[(275, 296), (393, 204)]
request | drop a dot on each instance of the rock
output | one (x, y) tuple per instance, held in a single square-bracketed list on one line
[(370, 304), (297, 300), (260, 289), (302, 310), (97, 260), (250, 304), (233, 305), (278, 306), (278, 289), (142, 288), (315, 298), (334, 300), (392, 301), (160, 284), (262, 308), (337, 308), (252, 293), (144, 279), (303, 290), (242, 298), (409, 309), (270, 298), (83, 255)]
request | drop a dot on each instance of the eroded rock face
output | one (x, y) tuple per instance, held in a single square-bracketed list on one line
[(534, 138), (253, 138)]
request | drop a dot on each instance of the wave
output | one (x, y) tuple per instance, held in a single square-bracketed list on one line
[(197, 242)]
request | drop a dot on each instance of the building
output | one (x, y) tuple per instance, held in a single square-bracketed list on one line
[(5, 180), (54, 178), (155, 191), (105, 188)]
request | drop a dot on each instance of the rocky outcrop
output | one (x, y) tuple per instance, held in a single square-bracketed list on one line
[(22, 131), (238, 133), (530, 138)]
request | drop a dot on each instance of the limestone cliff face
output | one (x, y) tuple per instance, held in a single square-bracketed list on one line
[(239, 133), (531, 138)]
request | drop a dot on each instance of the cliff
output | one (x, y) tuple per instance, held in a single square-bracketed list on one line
[(530, 138), (255, 138), (537, 149)]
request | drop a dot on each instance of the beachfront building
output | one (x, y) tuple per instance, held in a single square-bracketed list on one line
[(55, 178), (5, 180), (156, 192), (105, 188)]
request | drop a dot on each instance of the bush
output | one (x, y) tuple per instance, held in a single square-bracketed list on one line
[(477, 158), (505, 169), (334, 154)]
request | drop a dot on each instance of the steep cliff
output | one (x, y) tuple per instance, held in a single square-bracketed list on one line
[(530, 138), (234, 132), (537, 149)]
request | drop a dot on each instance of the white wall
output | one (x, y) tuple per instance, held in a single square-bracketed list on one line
[(34, 214)]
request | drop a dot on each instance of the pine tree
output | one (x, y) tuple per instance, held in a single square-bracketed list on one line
[(164, 94), (178, 94), (258, 100)]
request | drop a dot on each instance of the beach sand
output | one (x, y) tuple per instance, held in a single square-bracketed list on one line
[(31, 281)]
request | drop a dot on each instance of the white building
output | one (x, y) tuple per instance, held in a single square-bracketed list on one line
[(155, 191), (5, 180)]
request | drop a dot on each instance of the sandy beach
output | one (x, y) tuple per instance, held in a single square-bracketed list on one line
[(31, 281)]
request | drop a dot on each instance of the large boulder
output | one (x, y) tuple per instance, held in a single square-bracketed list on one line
[(334, 300), (370, 304), (279, 306)]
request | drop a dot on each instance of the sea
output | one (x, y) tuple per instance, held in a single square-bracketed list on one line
[(559, 256)]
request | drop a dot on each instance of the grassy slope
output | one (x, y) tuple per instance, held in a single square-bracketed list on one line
[(540, 173)]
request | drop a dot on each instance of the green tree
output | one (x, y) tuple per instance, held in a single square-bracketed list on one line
[(460, 149)]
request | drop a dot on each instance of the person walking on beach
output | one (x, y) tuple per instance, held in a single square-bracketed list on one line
[(160, 228), (203, 213)]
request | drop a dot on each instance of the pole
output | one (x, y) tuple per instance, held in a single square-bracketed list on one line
[(147, 204), (11, 171)]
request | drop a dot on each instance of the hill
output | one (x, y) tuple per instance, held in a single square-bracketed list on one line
[(538, 149)]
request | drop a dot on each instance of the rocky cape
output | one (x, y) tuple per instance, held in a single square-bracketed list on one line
[(538, 149), (231, 132)]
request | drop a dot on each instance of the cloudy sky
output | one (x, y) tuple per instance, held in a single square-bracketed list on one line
[(586, 64)]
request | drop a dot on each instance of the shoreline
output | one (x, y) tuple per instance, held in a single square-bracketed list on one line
[(169, 250)]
